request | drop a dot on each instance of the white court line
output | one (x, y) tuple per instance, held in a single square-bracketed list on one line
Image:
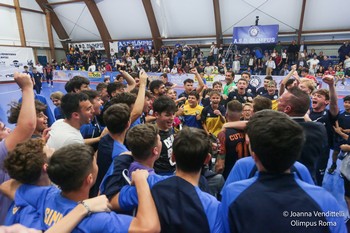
[(10, 91)]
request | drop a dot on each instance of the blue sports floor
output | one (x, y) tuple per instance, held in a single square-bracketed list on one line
[(10, 92)]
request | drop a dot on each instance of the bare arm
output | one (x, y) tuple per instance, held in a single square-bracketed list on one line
[(146, 219), (129, 79), (140, 100), (333, 99), (9, 188), (284, 81), (27, 117), (236, 125), (199, 78)]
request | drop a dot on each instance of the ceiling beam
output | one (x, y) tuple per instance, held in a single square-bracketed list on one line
[(325, 31), (100, 24), (22, 8), (153, 24), (49, 33), (20, 23), (55, 22), (218, 27), (301, 22), (64, 2)]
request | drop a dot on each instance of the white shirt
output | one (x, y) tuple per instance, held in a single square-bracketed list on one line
[(63, 134), (92, 68)]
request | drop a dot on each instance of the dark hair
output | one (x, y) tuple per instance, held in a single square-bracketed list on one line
[(289, 82), (69, 166), (346, 98), (272, 135), (231, 72), (116, 118), (195, 94), (101, 86), (217, 83), (299, 101), (112, 87), (190, 148), (75, 83), (15, 109), (164, 104), (268, 77), (244, 80), (141, 139), (71, 103), (26, 161), (188, 81), (245, 72), (165, 75), (261, 103), (214, 93), (91, 94), (155, 84), (123, 98)]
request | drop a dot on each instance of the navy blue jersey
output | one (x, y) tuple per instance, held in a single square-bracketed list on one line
[(279, 203), (234, 95), (251, 90), (344, 123), (261, 91), (325, 117)]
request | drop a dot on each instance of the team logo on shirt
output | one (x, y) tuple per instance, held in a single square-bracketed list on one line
[(255, 81)]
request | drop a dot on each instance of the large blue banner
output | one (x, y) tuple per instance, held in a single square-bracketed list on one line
[(137, 44), (266, 34)]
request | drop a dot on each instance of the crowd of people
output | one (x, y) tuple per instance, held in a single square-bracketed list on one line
[(136, 156)]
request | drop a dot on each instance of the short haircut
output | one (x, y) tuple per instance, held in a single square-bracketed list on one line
[(69, 166), (217, 83), (101, 86), (243, 79), (309, 83), (116, 118), (71, 103), (188, 81), (245, 72), (26, 161), (231, 73), (91, 94), (112, 87), (271, 135), (268, 77), (299, 101), (123, 98), (346, 98), (234, 106), (15, 109), (56, 95), (323, 92), (190, 148), (165, 75), (261, 103), (106, 79), (135, 91), (141, 139), (155, 84), (75, 83), (272, 82), (214, 93), (164, 104), (195, 94), (289, 82)]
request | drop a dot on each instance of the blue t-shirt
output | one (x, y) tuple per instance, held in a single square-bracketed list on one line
[(280, 198), (243, 167), (52, 206)]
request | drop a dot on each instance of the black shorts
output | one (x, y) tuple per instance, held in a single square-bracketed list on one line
[(347, 187)]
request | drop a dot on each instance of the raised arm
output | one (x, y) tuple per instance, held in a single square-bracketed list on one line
[(140, 100), (333, 99), (146, 219), (129, 79), (199, 78), (27, 117), (284, 81)]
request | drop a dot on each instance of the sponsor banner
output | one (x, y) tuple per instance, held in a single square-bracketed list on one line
[(137, 44), (87, 45), (262, 34), (13, 59)]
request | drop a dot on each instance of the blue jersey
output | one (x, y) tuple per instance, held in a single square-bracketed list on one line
[(248, 205), (24, 214), (52, 206), (243, 168)]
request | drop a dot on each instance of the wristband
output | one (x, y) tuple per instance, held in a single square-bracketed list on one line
[(86, 207)]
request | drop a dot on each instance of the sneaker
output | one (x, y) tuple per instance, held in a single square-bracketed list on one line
[(332, 169)]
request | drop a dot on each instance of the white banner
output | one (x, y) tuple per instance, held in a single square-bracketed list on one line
[(86, 46), (13, 59)]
